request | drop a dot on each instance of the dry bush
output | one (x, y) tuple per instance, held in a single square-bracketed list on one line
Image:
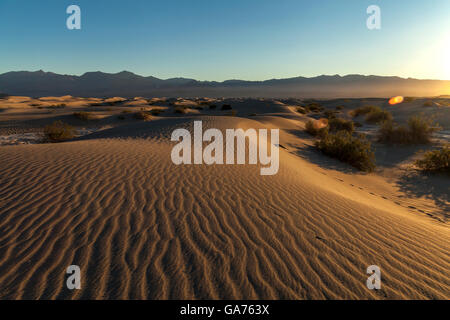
[(339, 124), (312, 129), (355, 151), (378, 116), (418, 131), (59, 131), (82, 115), (156, 112), (142, 115), (364, 110), (437, 160), (180, 110)]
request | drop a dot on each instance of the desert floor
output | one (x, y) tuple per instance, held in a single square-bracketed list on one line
[(140, 227)]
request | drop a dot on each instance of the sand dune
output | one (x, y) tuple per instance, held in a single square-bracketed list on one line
[(142, 228)]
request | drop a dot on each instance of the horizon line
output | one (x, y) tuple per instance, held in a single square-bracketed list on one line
[(231, 79)]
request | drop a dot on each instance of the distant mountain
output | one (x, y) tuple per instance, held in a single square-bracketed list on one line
[(128, 84)]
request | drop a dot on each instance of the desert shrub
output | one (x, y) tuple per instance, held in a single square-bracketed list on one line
[(428, 103), (213, 106), (156, 112), (59, 131), (96, 104), (180, 110), (364, 110), (60, 105), (378, 116), (142, 115), (312, 129), (330, 114), (314, 107), (409, 99), (82, 115), (126, 111), (338, 124), (198, 108), (35, 105), (301, 110), (437, 160), (355, 151), (226, 107), (418, 131), (340, 107)]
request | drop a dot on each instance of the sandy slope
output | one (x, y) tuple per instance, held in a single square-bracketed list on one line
[(140, 227)]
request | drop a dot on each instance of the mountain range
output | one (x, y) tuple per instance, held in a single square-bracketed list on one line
[(128, 84)]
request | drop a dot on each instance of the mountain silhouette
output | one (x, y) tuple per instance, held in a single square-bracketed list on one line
[(128, 84)]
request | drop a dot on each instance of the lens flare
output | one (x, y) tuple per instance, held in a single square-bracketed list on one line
[(396, 100), (321, 123)]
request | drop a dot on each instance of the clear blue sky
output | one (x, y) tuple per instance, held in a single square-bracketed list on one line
[(217, 40)]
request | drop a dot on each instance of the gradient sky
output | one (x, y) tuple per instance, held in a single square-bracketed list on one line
[(228, 39)]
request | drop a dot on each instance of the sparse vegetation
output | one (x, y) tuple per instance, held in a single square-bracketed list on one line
[(355, 151), (301, 110), (55, 106), (82, 115), (142, 115), (314, 107), (378, 116), (418, 131), (313, 130), (339, 124), (330, 114), (180, 110), (59, 131), (364, 110), (156, 112), (436, 161)]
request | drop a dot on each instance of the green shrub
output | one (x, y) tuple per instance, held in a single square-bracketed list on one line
[(314, 131), (142, 115), (378, 116), (437, 160), (355, 151), (338, 124), (59, 131), (418, 131), (364, 110), (82, 115)]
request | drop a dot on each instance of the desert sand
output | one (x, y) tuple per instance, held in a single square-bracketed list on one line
[(140, 227)]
